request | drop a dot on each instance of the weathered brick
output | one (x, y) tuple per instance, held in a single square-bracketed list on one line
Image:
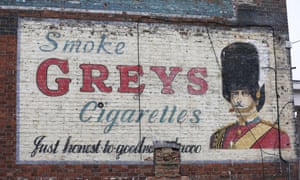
[(262, 14)]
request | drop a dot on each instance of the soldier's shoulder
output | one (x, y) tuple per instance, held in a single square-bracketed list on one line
[(217, 138), (225, 128), (268, 123), (271, 124)]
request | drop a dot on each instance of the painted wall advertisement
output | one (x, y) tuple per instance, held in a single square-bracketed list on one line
[(103, 92)]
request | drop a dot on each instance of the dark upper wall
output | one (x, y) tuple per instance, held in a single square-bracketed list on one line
[(263, 12), (237, 12), (205, 8)]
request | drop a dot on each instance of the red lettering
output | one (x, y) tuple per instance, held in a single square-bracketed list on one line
[(166, 80), (129, 78), (125, 79), (88, 78), (63, 83), (197, 80)]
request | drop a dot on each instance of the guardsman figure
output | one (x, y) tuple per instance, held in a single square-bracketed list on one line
[(240, 76)]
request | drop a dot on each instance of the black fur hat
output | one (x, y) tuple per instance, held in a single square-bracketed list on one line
[(240, 70)]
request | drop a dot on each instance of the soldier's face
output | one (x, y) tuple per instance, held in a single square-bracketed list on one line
[(241, 100)]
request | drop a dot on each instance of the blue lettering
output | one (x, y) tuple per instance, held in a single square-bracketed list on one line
[(196, 114), (82, 46), (85, 48), (172, 114), (72, 44), (103, 44), (84, 109), (127, 115), (113, 117), (113, 120), (52, 43), (119, 47), (181, 116), (141, 114), (101, 115), (164, 114), (152, 115)]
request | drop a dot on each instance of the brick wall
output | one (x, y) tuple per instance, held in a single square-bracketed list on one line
[(262, 15)]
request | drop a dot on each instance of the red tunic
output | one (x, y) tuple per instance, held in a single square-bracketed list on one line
[(226, 137)]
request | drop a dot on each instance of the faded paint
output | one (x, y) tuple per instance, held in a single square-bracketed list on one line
[(104, 91)]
